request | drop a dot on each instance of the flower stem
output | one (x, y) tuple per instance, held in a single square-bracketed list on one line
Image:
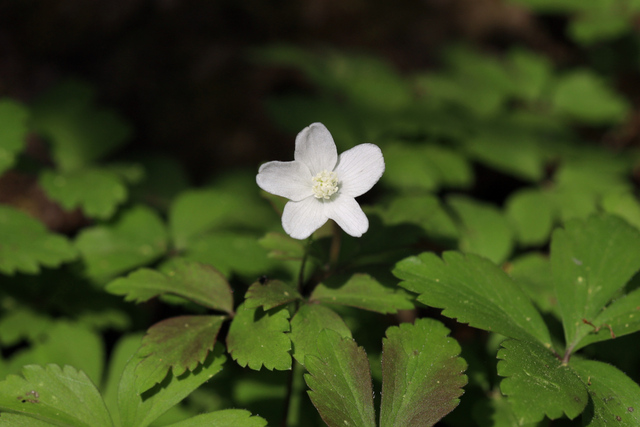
[(293, 400)]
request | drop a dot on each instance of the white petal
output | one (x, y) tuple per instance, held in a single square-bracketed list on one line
[(359, 169), (346, 212), (316, 149), (301, 219), (287, 179)]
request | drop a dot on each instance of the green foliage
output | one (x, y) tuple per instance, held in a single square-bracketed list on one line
[(13, 130)]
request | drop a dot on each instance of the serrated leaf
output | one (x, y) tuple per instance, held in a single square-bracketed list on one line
[(140, 410), (13, 131), (271, 294), (179, 343), (281, 246), (79, 132), (258, 338), (614, 398), (25, 244), (226, 417), (532, 271), (62, 396), (538, 384), (531, 214), (484, 230), (362, 291), (196, 282), (340, 381), (137, 237), (422, 374), (591, 260), (583, 96), (475, 291), (98, 192), (306, 325), (498, 412)]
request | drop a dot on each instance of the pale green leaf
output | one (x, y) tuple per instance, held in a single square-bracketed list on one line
[(538, 384), (625, 205), (61, 396), (422, 374), (475, 291), (258, 338), (340, 381), (25, 244)]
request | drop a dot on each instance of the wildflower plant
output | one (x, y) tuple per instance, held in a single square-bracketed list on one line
[(469, 258)]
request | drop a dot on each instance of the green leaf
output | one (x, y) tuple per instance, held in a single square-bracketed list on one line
[(475, 291), (98, 192), (538, 384), (531, 214), (614, 398), (13, 420), (271, 294), (61, 396), (227, 417), (140, 410), (425, 211), (281, 246), (179, 343), (583, 96), (422, 374), (306, 325), (25, 244), (137, 237), (196, 282), (362, 291), (531, 73), (13, 131), (340, 381), (259, 338), (483, 230), (532, 271), (80, 133), (22, 323), (625, 205), (591, 260)]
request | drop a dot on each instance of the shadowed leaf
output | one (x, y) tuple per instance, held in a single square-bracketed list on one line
[(270, 295), (13, 131)]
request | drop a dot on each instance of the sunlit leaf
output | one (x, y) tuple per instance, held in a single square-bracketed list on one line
[(179, 343), (196, 282), (53, 394), (258, 338), (591, 260), (306, 325), (362, 291), (137, 237), (538, 384), (340, 381), (25, 244), (422, 374), (271, 294), (13, 131), (98, 192), (475, 291)]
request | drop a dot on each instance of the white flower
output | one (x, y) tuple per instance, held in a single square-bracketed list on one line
[(322, 185)]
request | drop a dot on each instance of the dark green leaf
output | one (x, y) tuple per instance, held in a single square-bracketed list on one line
[(281, 246), (25, 244), (306, 325), (259, 338), (22, 323), (591, 261), (484, 230), (426, 211), (226, 417), (140, 410), (531, 214), (13, 131), (179, 343), (196, 282), (340, 381), (61, 396), (475, 291), (614, 397), (136, 238), (422, 374), (362, 291), (271, 294), (532, 271), (538, 384)]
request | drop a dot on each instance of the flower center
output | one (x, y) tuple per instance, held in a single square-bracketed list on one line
[(325, 184)]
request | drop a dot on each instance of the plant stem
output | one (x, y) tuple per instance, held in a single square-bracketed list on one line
[(291, 416)]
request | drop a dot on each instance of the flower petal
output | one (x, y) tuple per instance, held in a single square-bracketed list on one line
[(348, 214), (359, 169), (316, 149), (287, 179), (301, 219)]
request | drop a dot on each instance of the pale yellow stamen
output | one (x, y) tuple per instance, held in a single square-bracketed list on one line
[(325, 184)]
